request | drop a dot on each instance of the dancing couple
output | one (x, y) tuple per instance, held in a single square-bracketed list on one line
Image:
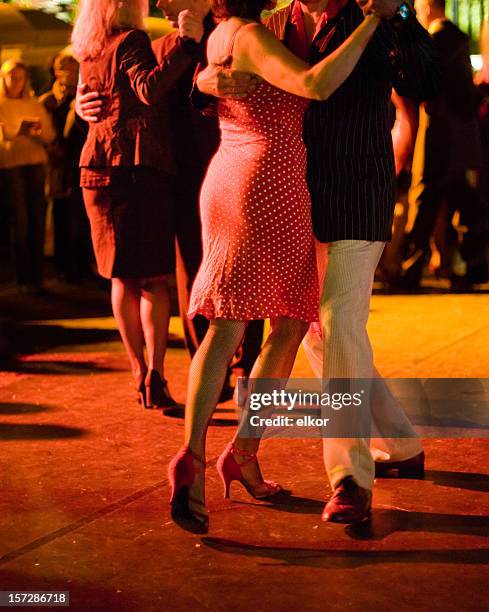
[(259, 252), (145, 225)]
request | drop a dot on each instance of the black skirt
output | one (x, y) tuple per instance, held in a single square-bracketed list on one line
[(131, 221)]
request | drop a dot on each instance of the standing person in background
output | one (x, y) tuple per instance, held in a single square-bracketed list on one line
[(192, 139), (447, 161), (25, 130), (126, 174), (72, 253), (195, 139), (403, 138), (482, 98)]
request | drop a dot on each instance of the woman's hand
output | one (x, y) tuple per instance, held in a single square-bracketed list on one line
[(190, 26)]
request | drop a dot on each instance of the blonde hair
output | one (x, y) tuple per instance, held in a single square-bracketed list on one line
[(8, 67), (98, 19)]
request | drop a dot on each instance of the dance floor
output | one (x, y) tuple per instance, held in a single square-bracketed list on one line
[(84, 503)]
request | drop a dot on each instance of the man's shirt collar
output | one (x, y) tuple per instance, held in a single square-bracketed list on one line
[(296, 32)]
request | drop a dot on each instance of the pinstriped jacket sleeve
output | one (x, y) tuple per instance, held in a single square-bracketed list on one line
[(407, 52)]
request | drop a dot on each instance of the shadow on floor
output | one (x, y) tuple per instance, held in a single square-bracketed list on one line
[(78, 368), (12, 431), (14, 408), (333, 558), (388, 521), (285, 501), (36, 338), (61, 302), (471, 481)]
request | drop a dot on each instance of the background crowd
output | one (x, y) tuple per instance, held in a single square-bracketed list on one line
[(40, 144)]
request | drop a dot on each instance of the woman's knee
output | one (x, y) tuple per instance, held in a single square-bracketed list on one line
[(227, 331)]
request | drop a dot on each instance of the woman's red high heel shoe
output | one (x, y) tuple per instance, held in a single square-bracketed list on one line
[(229, 469), (141, 388), (181, 473)]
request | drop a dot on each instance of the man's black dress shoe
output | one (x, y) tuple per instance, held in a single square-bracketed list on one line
[(409, 468)]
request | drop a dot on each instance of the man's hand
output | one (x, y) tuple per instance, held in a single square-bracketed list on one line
[(88, 106), (190, 25), (222, 82), (381, 8)]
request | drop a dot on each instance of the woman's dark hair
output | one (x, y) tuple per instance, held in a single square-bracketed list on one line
[(246, 9)]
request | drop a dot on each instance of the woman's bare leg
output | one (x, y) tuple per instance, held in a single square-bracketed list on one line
[(125, 298), (155, 319), (206, 378), (275, 360)]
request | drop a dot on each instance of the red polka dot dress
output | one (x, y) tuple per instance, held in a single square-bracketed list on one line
[(259, 257)]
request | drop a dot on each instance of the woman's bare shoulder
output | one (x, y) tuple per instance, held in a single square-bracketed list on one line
[(252, 29), (244, 29), (255, 36)]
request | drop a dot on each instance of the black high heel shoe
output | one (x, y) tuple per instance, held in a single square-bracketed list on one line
[(157, 393), (141, 389)]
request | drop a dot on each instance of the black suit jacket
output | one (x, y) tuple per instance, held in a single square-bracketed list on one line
[(191, 136), (448, 140)]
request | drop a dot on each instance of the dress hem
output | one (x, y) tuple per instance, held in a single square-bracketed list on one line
[(259, 317)]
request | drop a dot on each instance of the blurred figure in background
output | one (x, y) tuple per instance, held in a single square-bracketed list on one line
[(127, 174), (72, 247), (482, 96), (446, 165), (404, 129), (195, 140), (25, 130)]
